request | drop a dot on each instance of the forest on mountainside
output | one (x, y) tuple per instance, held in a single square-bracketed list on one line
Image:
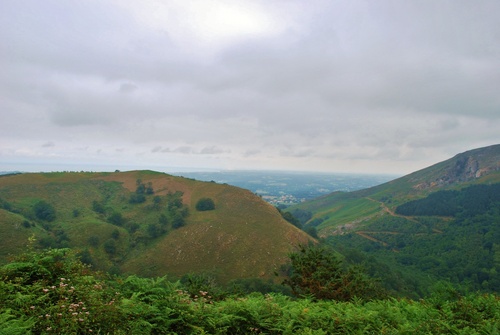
[(450, 235)]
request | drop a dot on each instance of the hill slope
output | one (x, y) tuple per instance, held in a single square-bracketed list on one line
[(146, 222), (345, 210), (439, 223)]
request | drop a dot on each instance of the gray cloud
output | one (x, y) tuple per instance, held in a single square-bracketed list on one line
[(338, 85)]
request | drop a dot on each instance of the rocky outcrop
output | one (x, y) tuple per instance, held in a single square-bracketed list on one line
[(464, 167)]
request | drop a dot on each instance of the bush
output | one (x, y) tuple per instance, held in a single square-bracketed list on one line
[(137, 198), (318, 272), (97, 207), (45, 211), (205, 204), (93, 240), (110, 246), (177, 220), (117, 219)]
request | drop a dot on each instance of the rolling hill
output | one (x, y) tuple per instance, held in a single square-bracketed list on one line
[(145, 223), (439, 223)]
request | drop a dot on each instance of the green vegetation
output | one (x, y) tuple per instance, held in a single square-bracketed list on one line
[(412, 253), (44, 211), (436, 224), (467, 202), (205, 204), (319, 272), (54, 293), (165, 234)]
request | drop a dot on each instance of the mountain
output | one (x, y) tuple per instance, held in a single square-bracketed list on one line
[(146, 223), (346, 210), (438, 223)]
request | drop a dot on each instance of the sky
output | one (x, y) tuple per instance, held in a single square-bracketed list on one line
[(382, 86)]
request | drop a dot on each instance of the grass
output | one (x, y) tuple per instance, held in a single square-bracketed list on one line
[(243, 237)]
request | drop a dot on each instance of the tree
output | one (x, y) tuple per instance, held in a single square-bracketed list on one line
[(117, 219), (137, 198), (115, 234), (154, 230), (317, 271), (156, 202), (205, 204), (93, 240), (290, 218), (45, 211), (97, 207), (163, 220), (174, 201), (177, 220), (110, 246)]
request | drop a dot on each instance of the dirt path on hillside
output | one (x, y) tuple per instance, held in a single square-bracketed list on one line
[(391, 212), (371, 238), (366, 234)]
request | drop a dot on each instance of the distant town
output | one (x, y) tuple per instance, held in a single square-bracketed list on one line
[(289, 188)]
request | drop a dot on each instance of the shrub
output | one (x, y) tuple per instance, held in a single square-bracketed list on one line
[(318, 272), (115, 234), (177, 220), (110, 246), (205, 204), (137, 198), (45, 211), (97, 207), (117, 219), (93, 240)]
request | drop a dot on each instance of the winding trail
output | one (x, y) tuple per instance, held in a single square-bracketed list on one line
[(367, 234)]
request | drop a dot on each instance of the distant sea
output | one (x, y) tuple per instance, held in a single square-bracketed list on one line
[(287, 188)]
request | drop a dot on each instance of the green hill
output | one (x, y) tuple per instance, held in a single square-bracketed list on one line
[(439, 223), (145, 223)]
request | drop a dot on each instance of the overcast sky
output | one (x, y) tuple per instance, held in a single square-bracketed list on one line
[(338, 86)]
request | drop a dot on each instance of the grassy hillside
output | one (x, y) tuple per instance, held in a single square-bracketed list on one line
[(146, 223), (460, 246), (354, 209)]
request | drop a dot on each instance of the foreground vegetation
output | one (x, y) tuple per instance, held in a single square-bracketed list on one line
[(52, 292)]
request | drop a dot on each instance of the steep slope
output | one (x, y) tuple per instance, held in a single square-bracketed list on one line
[(439, 223), (146, 222), (342, 211)]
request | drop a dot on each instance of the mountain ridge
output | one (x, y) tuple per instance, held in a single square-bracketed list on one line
[(447, 229)]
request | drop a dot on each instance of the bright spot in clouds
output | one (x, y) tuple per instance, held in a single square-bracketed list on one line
[(206, 23)]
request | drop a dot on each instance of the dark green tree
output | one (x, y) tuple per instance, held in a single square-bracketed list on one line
[(205, 204), (45, 211), (110, 246), (318, 272), (154, 230), (290, 218), (163, 220), (137, 198), (98, 207), (117, 219), (76, 213), (177, 220), (115, 234)]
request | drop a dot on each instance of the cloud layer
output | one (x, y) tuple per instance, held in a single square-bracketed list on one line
[(357, 86)]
